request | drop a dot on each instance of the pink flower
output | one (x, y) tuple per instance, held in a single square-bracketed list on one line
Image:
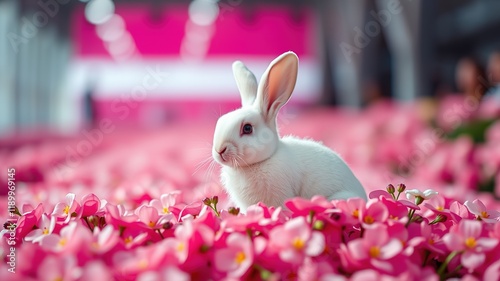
[(459, 211), (466, 238), (190, 211), (352, 208), (118, 216), (236, 257), (150, 217), (302, 206), (165, 203), (27, 221), (375, 212), (132, 237), (104, 240), (70, 238), (375, 194), (58, 268), (477, 208), (396, 210), (437, 204), (295, 240), (256, 216), (142, 259), (90, 205), (45, 227), (189, 238), (424, 235), (66, 209), (376, 248)]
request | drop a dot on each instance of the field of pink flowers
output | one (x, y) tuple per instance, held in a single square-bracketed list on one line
[(147, 205)]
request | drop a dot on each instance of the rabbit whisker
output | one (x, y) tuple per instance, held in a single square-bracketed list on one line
[(209, 172), (202, 163), (241, 159)]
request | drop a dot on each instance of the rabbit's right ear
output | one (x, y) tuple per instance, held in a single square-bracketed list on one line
[(277, 84), (246, 82)]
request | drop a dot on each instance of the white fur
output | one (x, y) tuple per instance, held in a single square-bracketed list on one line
[(261, 166)]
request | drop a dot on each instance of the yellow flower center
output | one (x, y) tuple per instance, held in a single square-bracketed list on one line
[(58, 278), (66, 210), (180, 247), (439, 208), (485, 214), (470, 242), (374, 252), (240, 257), (166, 210), (355, 213), (368, 219), (62, 242), (393, 217), (45, 231), (143, 264), (151, 224), (298, 243), (128, 240), (431, 241)]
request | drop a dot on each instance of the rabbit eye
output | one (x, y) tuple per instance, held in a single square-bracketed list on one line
[(247, 129)]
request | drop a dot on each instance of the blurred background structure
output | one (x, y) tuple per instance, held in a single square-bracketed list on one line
[(65, 64)]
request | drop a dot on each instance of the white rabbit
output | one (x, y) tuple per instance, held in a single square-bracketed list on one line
[(258, 165)]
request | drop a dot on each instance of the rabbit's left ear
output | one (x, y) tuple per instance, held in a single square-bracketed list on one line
[(246, 82), (277, 84)]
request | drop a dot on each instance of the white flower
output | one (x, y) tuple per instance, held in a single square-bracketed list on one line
[(414, 193)]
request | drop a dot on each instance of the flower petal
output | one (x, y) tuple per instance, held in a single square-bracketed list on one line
[(472, 260), (473, 208), (357, 249), (225, 260), (470, 228), (316, 244), (391, 249), (492, 272), (34, 235), (486, 244), (412, 193), (453, 241), (429, 193)]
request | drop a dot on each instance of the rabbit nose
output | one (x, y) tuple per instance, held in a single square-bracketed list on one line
[(222, 152)]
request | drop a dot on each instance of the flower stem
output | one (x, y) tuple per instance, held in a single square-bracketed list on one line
[(443, 266), (426, 257), (214, 207), (88, 224), (264, 273), (159, 232), (410, 217), (311, 217)]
